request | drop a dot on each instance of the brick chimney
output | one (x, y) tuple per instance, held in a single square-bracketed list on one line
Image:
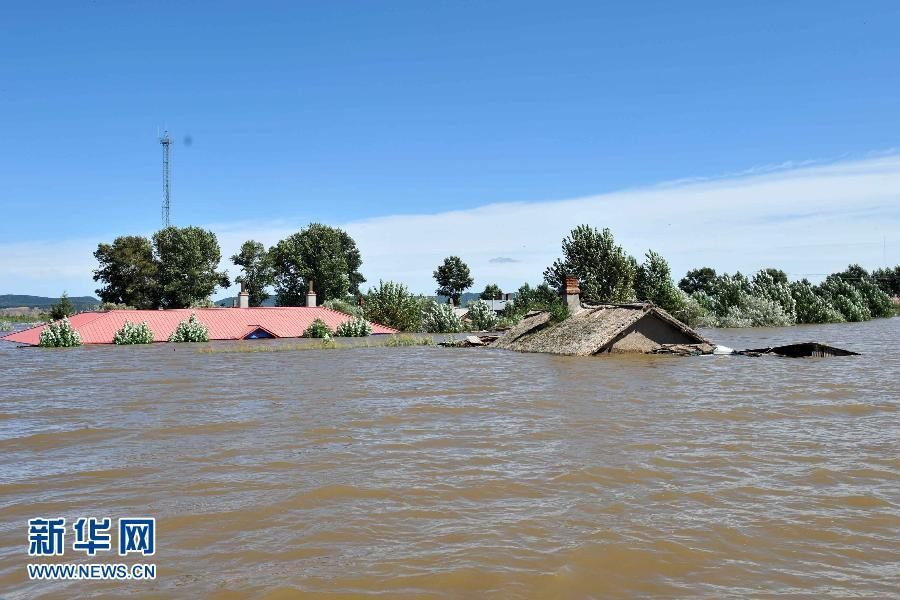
[(572, 294), (311, 295), (243, 297)]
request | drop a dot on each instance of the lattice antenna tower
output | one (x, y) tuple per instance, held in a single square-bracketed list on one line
[(166, 143)]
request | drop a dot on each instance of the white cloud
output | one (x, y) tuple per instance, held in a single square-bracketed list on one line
[(809, 219)]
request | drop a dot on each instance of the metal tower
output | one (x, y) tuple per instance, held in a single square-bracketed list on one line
[(166, 143)]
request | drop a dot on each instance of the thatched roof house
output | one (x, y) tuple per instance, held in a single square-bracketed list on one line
[(639, 327)]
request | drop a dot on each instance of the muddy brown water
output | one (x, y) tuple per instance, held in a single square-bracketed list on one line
[(466, 473)]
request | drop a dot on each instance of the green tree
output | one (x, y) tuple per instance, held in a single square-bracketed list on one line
[(491, 291), (875, 298), (888, 280), (187, 258), (393, 305), (482, 316), (653, 283), (325, 255), (453, 278), (256, 271), (811, 307), (777, 275), (698, 280), (605, 271), (128, 271), (440, 318), (529, 298), (61, 309), (729, 291), (845, 297), (771, 284)]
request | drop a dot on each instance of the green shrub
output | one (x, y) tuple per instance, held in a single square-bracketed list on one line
[(765, 285), (505, 322), (756, 312), (558, 312), (764, 312), (482, 316), (131, 333), (355, 327), (318, 329), (191, 330), (60, 334), (689, 309), (440, 318), (205, 303), (393, 305), (729, 291), (344, 306), (810, 306), (107, 306), (846, 298)]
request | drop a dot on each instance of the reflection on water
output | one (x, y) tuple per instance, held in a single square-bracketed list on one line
[(467, 473)]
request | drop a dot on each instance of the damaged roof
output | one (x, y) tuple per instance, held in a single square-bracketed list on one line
[(596, 329)]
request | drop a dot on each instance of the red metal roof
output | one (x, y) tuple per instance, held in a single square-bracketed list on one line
[(223, 323)]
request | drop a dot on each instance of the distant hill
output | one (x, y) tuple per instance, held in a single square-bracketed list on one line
[(17, 300)]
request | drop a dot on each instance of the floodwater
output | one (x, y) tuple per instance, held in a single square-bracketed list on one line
[(465, 473)]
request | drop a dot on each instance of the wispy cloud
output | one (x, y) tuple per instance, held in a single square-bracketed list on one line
[(827, 214)]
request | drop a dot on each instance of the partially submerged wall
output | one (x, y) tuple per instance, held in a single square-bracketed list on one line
[(647, 335)]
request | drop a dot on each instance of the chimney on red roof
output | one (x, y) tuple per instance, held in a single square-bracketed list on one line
[(311, 295), (243, 297)]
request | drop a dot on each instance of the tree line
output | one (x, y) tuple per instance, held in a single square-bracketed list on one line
[(177, 268)]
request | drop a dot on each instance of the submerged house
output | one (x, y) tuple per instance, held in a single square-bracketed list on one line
[(637, 327), (223, 323)]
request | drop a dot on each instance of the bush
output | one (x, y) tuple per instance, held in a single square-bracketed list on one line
[(689, 309), (506, 322), (756, 312), (205, 303), (318, 329), (107, 306), (764, 312), (393, 305), (558, 312), (440, 318), (344, 306), (729, 291), (529, 299), (60, 334), (133, 334), (191, 330), (844, 297), (810, 306), (482, 316), (766, 285), (355, 327)]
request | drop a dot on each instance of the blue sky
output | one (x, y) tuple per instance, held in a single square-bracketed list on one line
[(344, 112)]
